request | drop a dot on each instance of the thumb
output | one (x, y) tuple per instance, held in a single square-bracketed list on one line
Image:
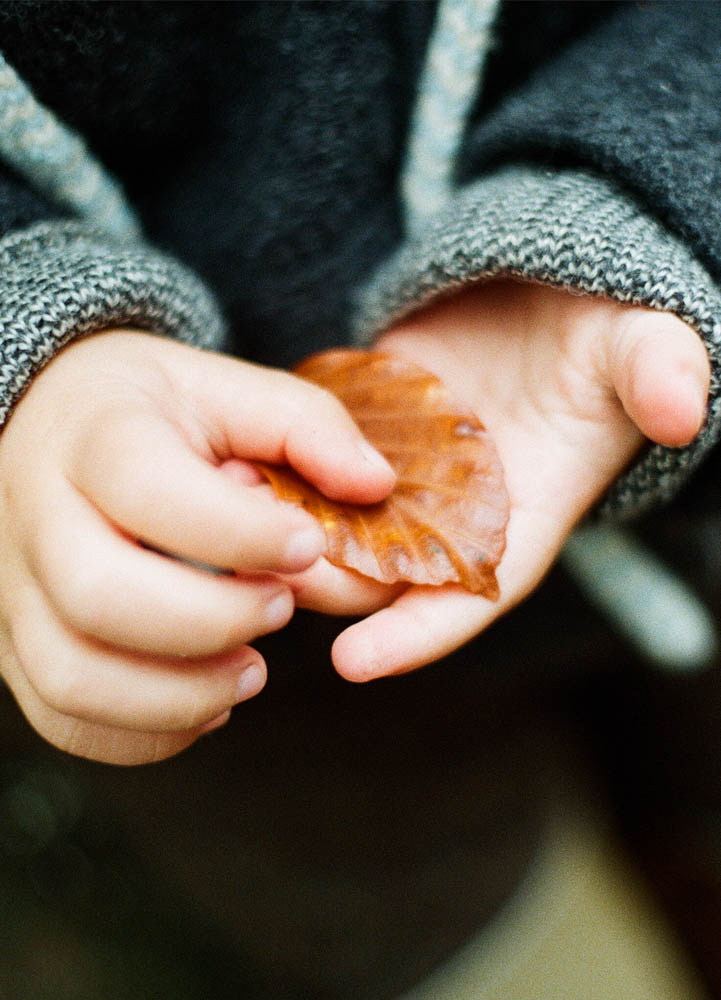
[(660, 370)]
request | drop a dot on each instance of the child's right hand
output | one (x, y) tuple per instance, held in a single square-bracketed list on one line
[(120, 451)]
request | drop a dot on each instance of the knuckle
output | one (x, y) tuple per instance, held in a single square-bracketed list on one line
[(320, 403), (102, 464), (51, 666), (77, 585), (83, 594), (66, 692), (58, 683)]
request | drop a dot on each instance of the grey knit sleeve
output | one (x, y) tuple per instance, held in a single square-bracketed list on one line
[(573, 230), (60, 280)]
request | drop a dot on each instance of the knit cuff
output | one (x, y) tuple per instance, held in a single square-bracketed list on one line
[(575, 231), (59, 281)]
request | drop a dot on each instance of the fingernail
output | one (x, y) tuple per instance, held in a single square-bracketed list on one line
[(305, 546), (373, 456), (251, 681)]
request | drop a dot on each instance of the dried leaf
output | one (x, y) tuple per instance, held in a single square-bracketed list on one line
[(446, 518)]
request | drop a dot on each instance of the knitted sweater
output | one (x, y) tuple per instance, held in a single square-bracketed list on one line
[(262, 148)]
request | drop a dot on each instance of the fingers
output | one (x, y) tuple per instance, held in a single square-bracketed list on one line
[(421, 626), (106, 744), (71, 694), (118, 593), (660, 370), (425, 624), (185, 664), (158, 489), (119, 653), (331, 590), (85, 680), (275, 417)]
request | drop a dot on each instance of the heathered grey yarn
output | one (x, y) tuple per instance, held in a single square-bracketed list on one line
[(62, 280), (56, 161), (573, 230), (449, 84)]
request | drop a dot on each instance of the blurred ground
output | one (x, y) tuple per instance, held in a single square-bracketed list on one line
[(338, 842)]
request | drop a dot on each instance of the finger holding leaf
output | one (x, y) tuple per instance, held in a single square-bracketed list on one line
[(445, 520)]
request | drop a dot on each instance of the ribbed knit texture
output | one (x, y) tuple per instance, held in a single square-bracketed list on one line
[(575, 231), (61, 280), (637, 101)]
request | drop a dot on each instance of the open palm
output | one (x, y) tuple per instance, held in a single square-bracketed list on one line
[(569, 387)]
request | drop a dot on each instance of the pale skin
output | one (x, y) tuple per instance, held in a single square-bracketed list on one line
[(128, 446)]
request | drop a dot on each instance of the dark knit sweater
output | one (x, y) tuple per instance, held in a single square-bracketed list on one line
[(261, 145)]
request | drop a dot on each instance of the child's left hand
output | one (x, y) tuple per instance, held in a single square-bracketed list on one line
[(569, 387)]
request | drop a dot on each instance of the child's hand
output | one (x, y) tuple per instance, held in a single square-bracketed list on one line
[(125, 447), (568, 386)]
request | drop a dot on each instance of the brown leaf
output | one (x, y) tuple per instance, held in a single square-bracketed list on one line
[(445, 520)]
